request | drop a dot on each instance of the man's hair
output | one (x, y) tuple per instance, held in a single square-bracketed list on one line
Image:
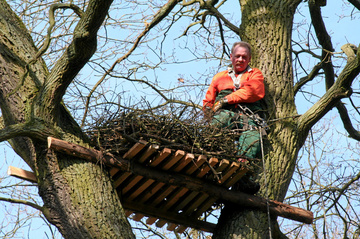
[(242, 44)]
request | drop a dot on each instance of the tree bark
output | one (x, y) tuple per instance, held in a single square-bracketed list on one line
[(78, 196), (267, 26)]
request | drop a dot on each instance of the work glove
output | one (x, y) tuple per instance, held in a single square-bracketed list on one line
[(219, 104)]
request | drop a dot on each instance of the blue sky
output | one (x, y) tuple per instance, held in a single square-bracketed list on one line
[(342, 31)]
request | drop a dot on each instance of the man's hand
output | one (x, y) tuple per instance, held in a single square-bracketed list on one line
[(219, 104)]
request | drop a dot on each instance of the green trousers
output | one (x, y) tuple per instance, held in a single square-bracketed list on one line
[(249, 140)]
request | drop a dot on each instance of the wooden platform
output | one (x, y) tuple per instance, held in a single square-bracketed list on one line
[(172, 187), (162, 203)]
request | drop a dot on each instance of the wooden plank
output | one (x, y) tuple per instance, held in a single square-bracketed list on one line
[(153, 163), (210, 201), (148, 153), (236, 178), (183, 163), (173, 160), (135, 149), (192, 195), (160, 157), (170, 217), (196, 165), (188, 158), (131, 184), (207, 167), (224, 163), (229, 172), (171, 227), (151, 220), (22, 174), (121, 179), (128, 213), (180, 192), (181, 229), (156, 187), (141, 189), (137, 217), (201, 198)]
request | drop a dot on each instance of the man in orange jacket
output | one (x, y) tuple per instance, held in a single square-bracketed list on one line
[(233, 91)]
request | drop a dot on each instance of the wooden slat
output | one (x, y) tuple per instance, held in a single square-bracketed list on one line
[(137, 217), (192, 195), (173, 160), (212, 200), (162, 156), (171, 227), (141, 189), (135, 149), (229, 171), (131, 184), (204, 170), (180, 229), (196, 165), (181, 191), (148, 153), (128, 213), (236, 177), (22, 174), (184, 162), (170, 217), (156, 187), (121, 179), (158, 159), (177, 168)]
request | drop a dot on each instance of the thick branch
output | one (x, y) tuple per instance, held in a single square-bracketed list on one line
[(195, 184), (324, 40), (340, 89), (76, 55), (33, 129), (353, 133), (355, 3)]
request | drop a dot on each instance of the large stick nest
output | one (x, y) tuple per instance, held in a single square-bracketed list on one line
[(188, 131)]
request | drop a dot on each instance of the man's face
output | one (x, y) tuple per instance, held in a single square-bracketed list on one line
[(240, 59)]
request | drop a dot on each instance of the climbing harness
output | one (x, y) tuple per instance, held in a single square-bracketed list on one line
[(237, 79), (249, 114)]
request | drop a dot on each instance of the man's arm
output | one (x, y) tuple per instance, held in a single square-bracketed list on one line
[(251, 90)]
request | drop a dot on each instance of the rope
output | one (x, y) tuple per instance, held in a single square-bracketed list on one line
[(262, 125), (266, 188)]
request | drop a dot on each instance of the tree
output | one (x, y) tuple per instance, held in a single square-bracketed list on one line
[(36, 81)]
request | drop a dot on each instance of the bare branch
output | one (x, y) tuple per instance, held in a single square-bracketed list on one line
[(27, 203), (161, 14)]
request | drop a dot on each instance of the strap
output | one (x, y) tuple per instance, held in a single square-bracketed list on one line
[(237, 79)]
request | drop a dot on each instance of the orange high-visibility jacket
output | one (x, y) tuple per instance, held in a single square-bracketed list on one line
[(251, 88)]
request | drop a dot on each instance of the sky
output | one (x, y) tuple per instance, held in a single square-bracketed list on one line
[(343, 31)]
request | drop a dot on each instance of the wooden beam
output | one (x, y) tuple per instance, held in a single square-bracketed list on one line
[(170, 216), (192, 183), (22, 174)]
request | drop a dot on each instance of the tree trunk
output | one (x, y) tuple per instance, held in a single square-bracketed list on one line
[(267, 26), (78, 196)]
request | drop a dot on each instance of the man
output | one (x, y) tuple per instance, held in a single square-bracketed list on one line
[(233, 98)]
